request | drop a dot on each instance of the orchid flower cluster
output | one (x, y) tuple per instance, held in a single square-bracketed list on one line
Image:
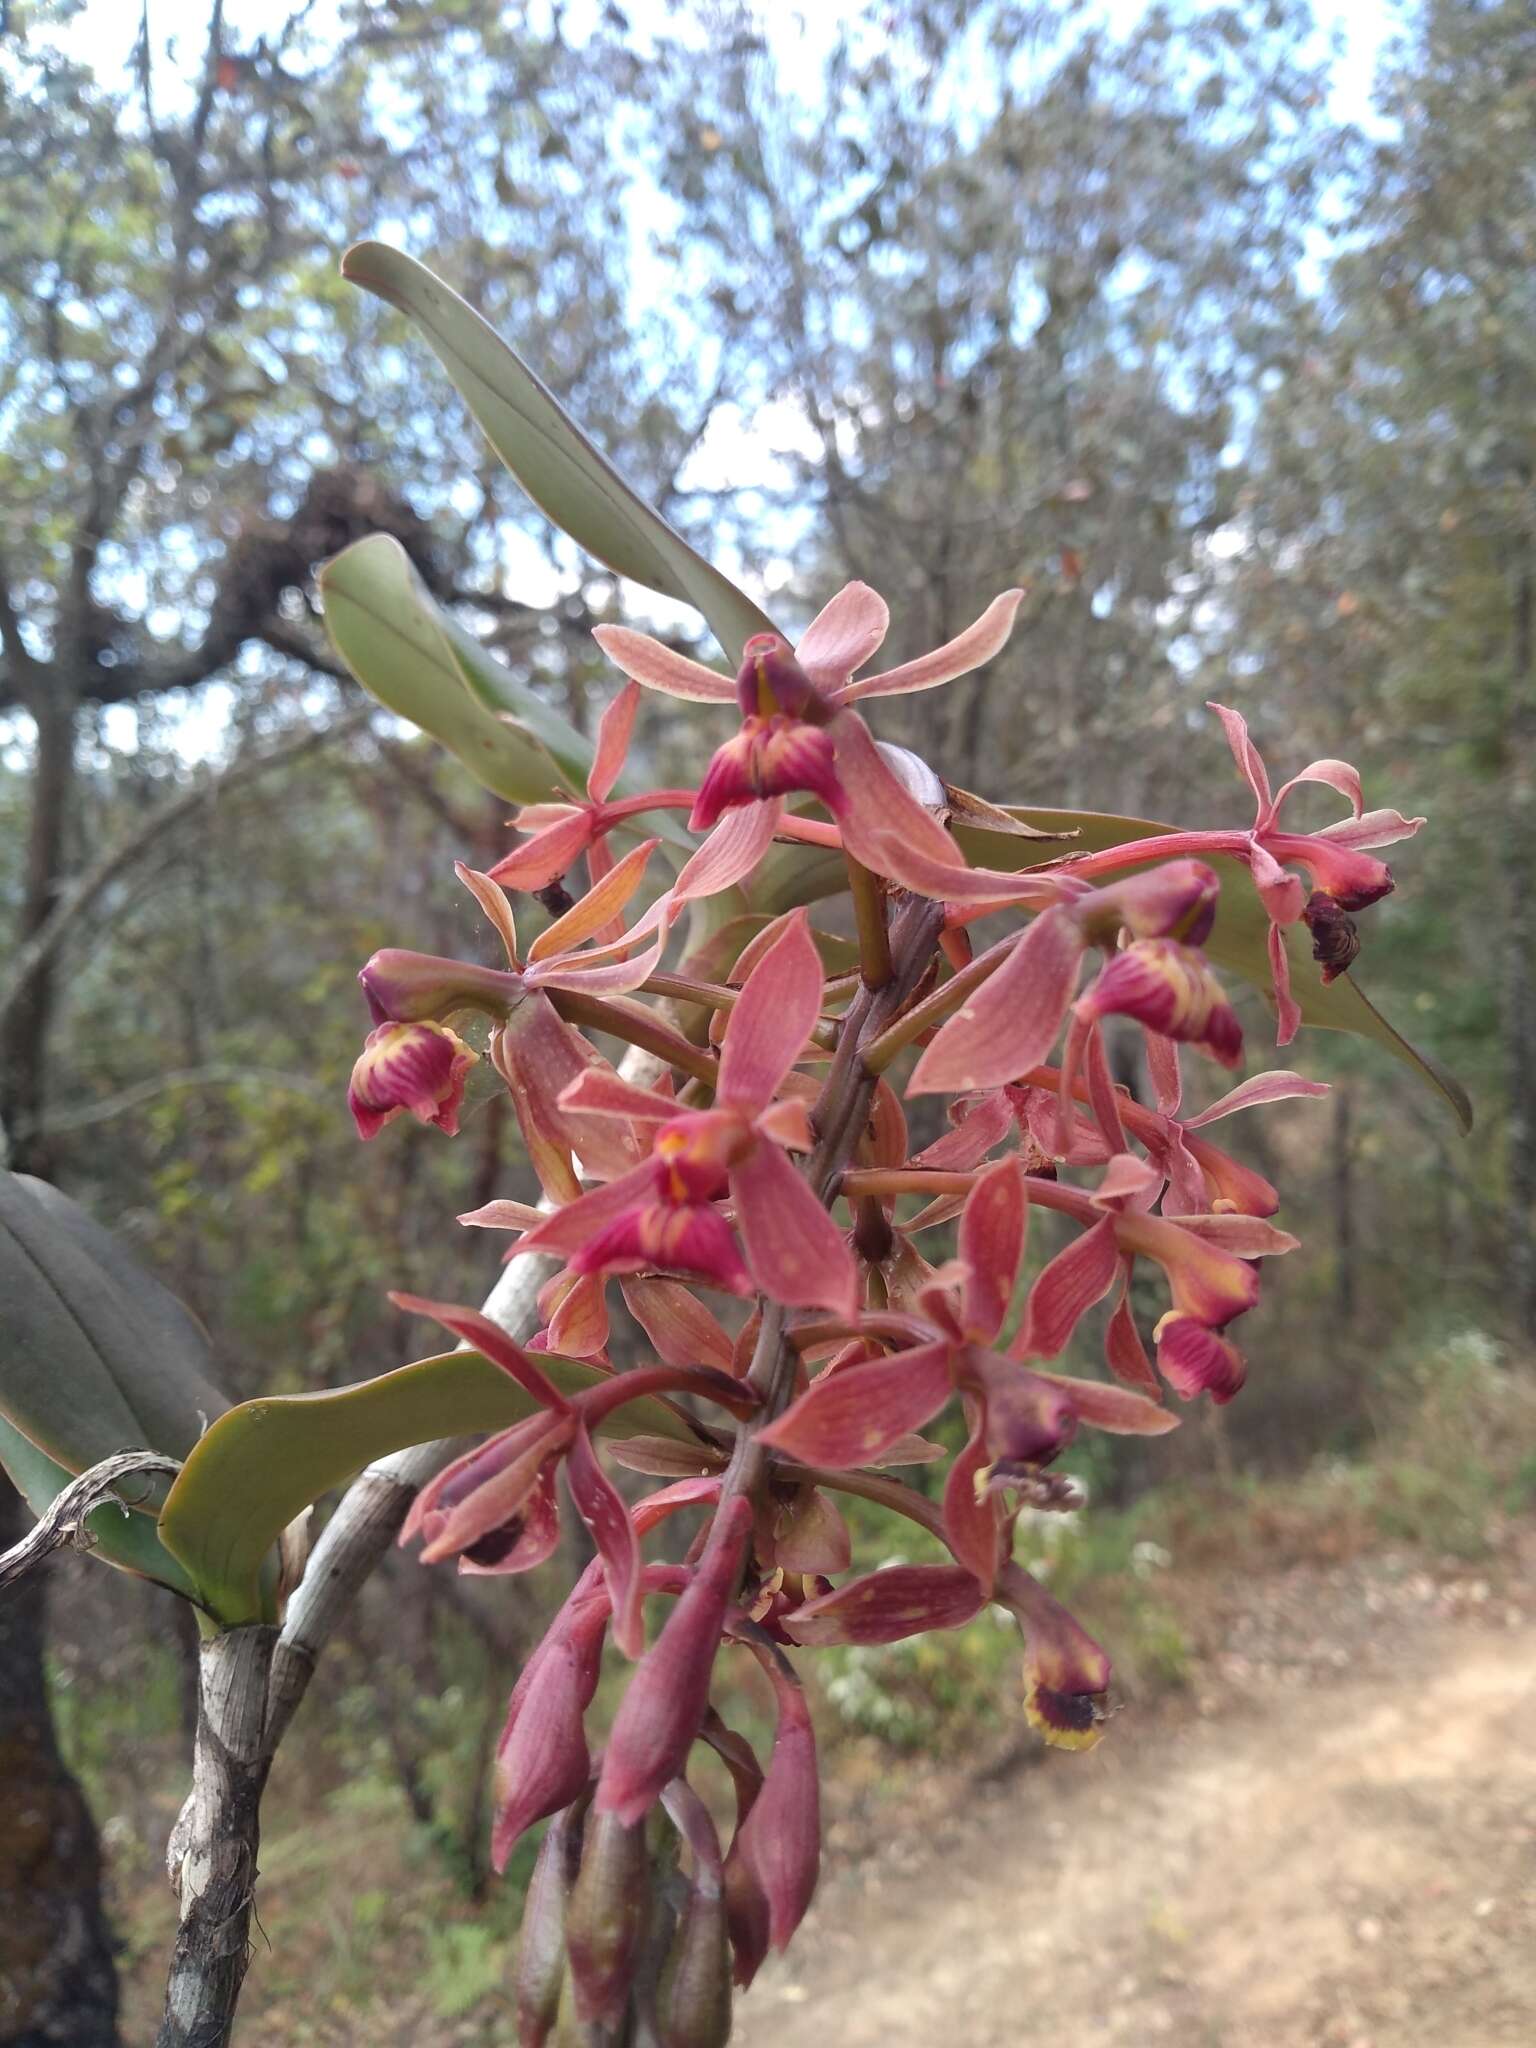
[(817, 1290)]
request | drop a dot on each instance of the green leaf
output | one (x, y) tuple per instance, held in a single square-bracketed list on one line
[(548, 453), (265, 1461), (1239, 941), (408, 654), (96, 1356), (125, 1537)]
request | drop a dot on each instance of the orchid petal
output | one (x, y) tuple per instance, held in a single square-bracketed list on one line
[(971, 1514), (1116, 1410), (957, 657), (492, 1342), (992, 1229), (614, 731), (1065, 1291), (788, 1123), (1283, 894), (811, 1537), (1167, 1075), (1128, 1183), (1337, 775), (1287, 1009), (547, 855), (1278, 1086), (1246, 1237), (682, 1330), (1205, 1282), (519, 1543), (847, 1418), (538, 1054), (504, 1215), (577, 1315), (843, 635), (981, 1129), (798, 1255), (1011, 1022), (600, 1506), (495, 905), (648, 661), (730, 853), (1373, 828), (567, 1229), (606, 900), (1247, 756), (601, 1092), (888, 1606), (772, 1020), (1124, 1352)]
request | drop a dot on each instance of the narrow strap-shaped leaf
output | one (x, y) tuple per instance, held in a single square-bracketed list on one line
[(547, 452)]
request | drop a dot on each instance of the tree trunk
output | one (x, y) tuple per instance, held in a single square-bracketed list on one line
[(24, 1044), (58, 1982), (1520, 952)]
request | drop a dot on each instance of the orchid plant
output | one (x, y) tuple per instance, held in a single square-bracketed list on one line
[(822, 1287)]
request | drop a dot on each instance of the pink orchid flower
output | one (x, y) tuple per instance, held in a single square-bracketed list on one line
[(664, 1213), (1344, 877), (800, 732), (415, 1067), (1021, 1419), (533, 1048)]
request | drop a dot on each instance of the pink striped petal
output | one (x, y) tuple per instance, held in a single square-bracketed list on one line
[(547, 855), (1374, 828), (576, 1315), (957, 657), (992, 1228), (1249, 1193), (606, 900), (971, 1514), (850, 1417), (538, 1055), (1186, 1178), (731, 852), (1065, 1291), (1245, 1237), (647, 661), (600, 1506), (1167, 1075), (567, 1229), (1128, 1183), (492, 1342), (1115, 1410), (1279, 1086), (614, 731), (1124, 1352), (601, 1092), (495, 905), (981, 1129), (774, 1016), (1204, 1281), (1287, 1009), (1337, 775), (1011, 1022), (1247, 756), (1195, 1360), (843, 635), (888, 1606), (1283, 893), (799, 1257), (681, 1329)]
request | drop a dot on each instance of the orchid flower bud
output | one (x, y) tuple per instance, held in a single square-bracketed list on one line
[(541, 1966), (606, 1916), (694, 2000), (781, 1836), (415, 1067), (408, 988), (660, 1714), (542, 1761)]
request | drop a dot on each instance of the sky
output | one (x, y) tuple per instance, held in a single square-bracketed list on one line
[(105, 34)]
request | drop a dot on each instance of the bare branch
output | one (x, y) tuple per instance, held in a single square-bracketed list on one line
[(65, 1522)]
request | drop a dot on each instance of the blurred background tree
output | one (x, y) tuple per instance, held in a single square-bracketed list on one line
[(1234, 373)]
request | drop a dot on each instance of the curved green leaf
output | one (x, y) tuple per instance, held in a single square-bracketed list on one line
[(548, 453), (1239, 941), (124, 1537), (408, 654), (96, 1356), (264, 1462)]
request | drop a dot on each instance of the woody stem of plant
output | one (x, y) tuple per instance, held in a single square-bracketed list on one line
[(839, 1117)]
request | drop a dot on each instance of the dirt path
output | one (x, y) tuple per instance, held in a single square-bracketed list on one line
[(1321, 1858)]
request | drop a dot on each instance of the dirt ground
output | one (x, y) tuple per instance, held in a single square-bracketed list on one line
[(1332, 1846)]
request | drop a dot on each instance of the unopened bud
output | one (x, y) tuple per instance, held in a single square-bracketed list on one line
[(541, 1967), (542, 1762), (415, 1067), (693, 2006), (409, 988), (781, 1836), (606, 1916), (660, 1714)]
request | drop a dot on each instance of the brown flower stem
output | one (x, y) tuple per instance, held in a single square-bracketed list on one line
[(869, 910), (935, 1008), (839, 1116), (636, 1026)]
